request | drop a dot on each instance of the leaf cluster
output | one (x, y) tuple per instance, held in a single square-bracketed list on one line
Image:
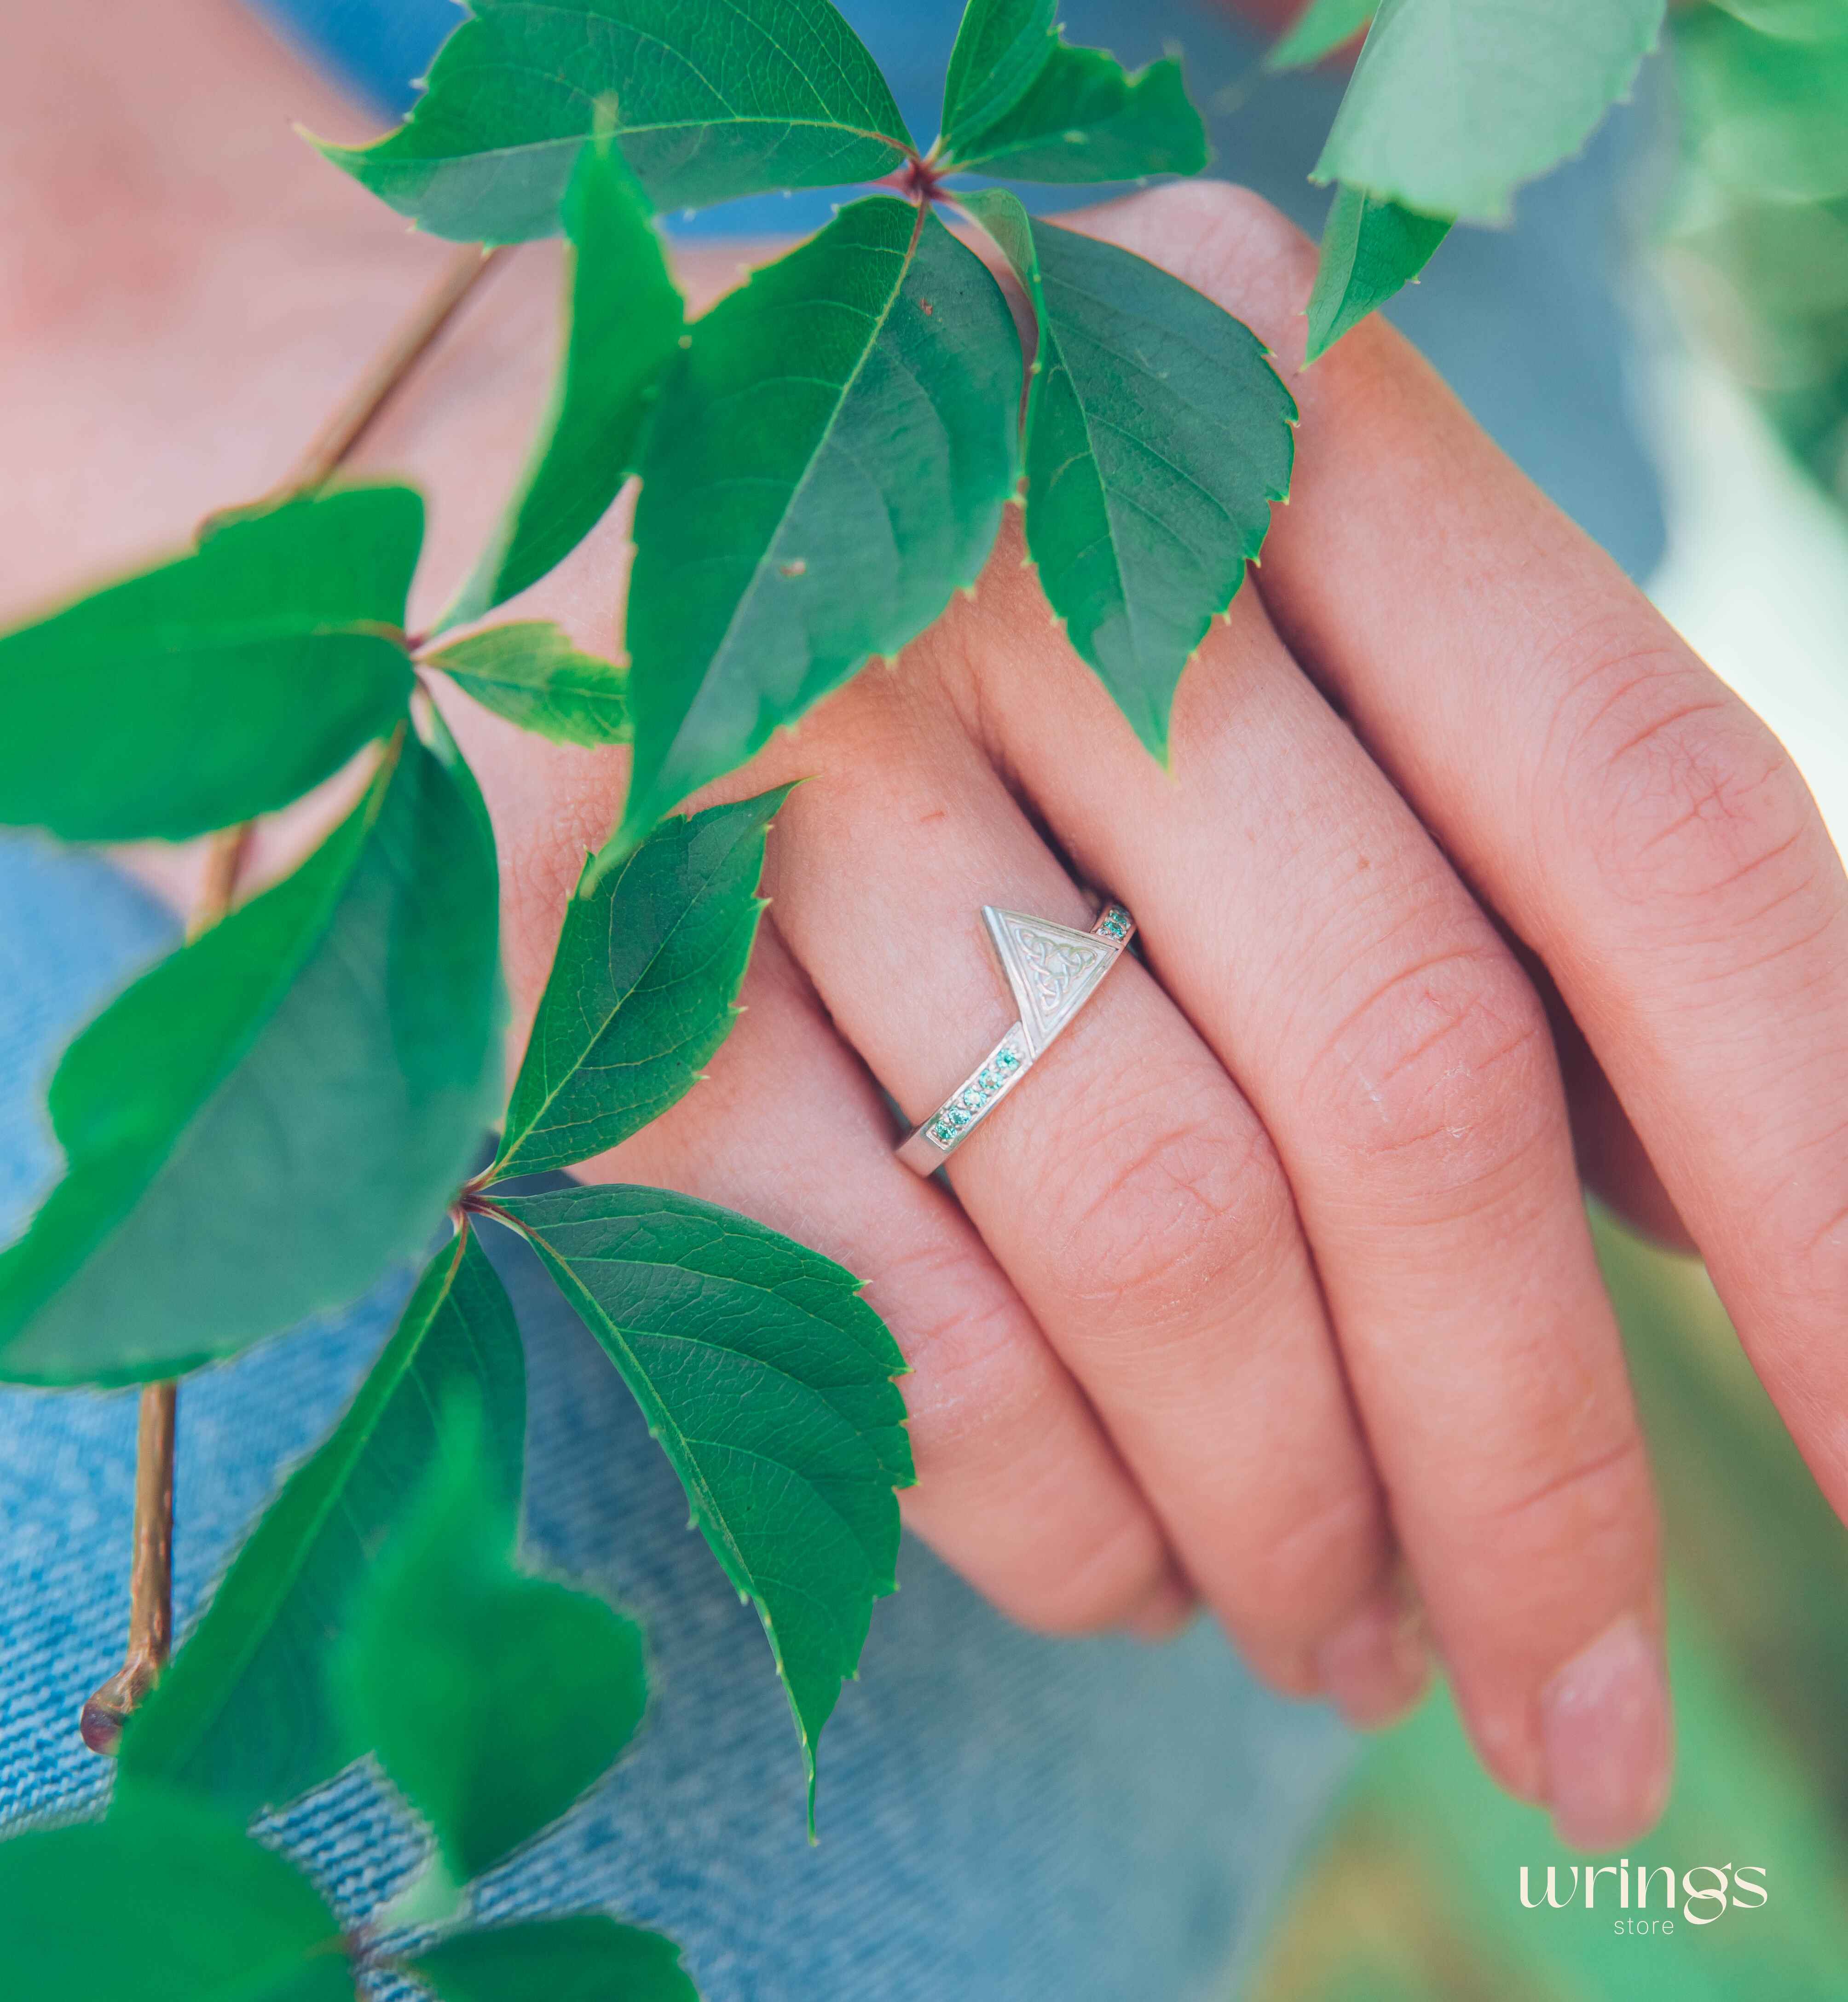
[(714, 1322), (376, 1608), (824, 456)]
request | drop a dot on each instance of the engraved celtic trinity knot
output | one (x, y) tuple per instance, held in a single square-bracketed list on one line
[(1051, 968)]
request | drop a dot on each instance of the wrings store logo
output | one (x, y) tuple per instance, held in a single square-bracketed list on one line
[(1646, 1892)]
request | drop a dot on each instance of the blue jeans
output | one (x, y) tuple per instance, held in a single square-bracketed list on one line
[(1003, 1818)]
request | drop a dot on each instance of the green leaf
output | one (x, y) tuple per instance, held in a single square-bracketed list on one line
[(1157, 436), (642, 988), (1767, 117), (1001, 47), (166, 1901), (625, 316), (261, 1126), (530, 674), (1319, 30), (1085, 118), (715, 99), (1454, 103), (582, 1958), (768, 1381), (1370, 250), (218, 686), (491, 1699), (829, 463), (1793, 20), (244, 1714)]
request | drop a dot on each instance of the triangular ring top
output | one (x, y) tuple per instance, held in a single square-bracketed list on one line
[(1051, 969)]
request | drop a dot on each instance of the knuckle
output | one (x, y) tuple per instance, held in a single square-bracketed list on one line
[(1444, 1074), (1600, 1507), (1223, 239), (1097, 1586), (1811, 1277), (1322, 1559), (1530, 1535), (963, 1334), (1193, 1202), (989, 1412), (1685, 799)]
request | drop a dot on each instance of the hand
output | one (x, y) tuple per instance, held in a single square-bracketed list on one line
[(1274, 1276), (1271, 1286)]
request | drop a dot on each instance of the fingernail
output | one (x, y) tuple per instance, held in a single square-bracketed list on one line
[(1162, 1614), (1604, 1726), (1376, 1667)]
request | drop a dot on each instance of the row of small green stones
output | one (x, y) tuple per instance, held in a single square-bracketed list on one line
[(974, 1098)]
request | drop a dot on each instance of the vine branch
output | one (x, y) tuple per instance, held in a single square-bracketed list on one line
[(151, 1573), (391, 369)]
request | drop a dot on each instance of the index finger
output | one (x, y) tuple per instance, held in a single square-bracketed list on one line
[(1629, 816)]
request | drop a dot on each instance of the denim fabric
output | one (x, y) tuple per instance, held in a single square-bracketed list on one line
[(1003, 1818), (1522, 323)]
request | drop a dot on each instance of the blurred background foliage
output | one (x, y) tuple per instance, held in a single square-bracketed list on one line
[(1756, 230), (1412, 1893)]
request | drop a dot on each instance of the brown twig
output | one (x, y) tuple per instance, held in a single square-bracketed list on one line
[(217, 887), (151, 1576), (150, 1570), (151, 1581), (355, 416)]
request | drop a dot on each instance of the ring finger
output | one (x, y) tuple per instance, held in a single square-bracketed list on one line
[(1127, 1188)]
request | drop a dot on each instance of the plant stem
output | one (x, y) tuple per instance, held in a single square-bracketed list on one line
[(392, 367), (150, 1570), (151, 1579), (217, 887), (150, 1574)]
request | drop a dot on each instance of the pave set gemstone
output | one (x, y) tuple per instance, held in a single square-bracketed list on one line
[(977, 1096), (1115, 927)]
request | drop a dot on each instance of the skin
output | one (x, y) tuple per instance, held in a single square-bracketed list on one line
[(1272, 1291)]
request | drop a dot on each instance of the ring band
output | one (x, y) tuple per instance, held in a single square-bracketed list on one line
[(1053, 971)]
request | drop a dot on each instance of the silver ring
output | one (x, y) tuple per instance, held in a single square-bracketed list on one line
[(1053, 972)]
